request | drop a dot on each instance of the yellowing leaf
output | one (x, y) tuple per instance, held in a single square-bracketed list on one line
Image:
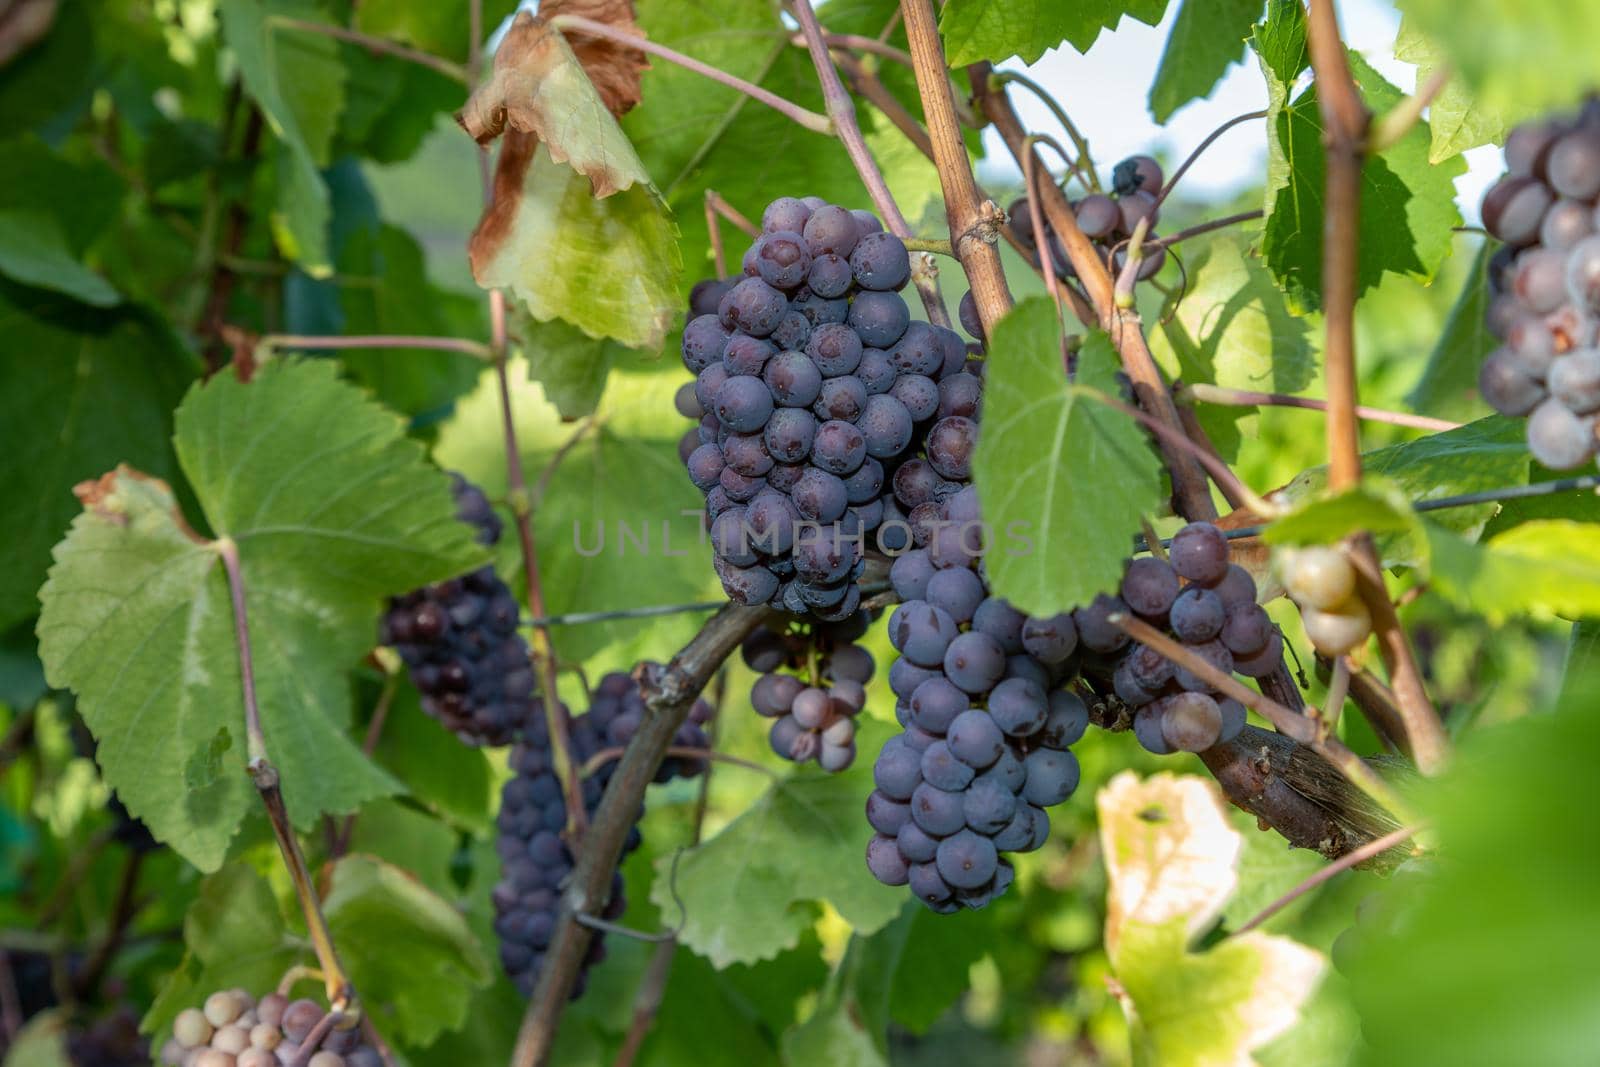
[(618, 271), (1169, 852), (1172, 862)]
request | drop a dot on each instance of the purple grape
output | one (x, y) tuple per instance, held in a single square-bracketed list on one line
[(957, 591), (1018, 834), (1050, 640), (785, 213), (707, 294), (1137, 207), (974, 661), (793, 379), (770, 522), (1199, 553), (789, 434), (1575, 380), (1566, 223), (959, 394), (967, 312), (879, 318), (950, 445), (784, 476), (1019, 707), (705, 467), (835, 348), (1098, 216), (706, 385), (793, 332), (880, 261), (1233, 719), (936, 811), (1150, 585), (1541, 279), (1247, 629), (942, 770), (927, 886), (922, 633), (740, 489), (754, 307), (915, 482), (747, 585), (819, 496), (918, 394), (841, 398), (730, 539), (1573, 165), (909, 574), (1213, 652), (1137, 174), (898, 770), (1560, 438), (975, 739), (936, 703), (876, 372), (1528, 145), (744, 354), (1052, 776), (1264, 662), (862, 487), (703, 338), (1514, 208), (887, 425), (1066, 721), (1505, 387), (989, 806), (1149, 669), (746, 454), (1583, 273), (885, 862), (830, 276), (1147, 729), (1190, 722), (966, 860), (866, 221), (743, 404), (831, 229), (782, 259), (1197, 615)]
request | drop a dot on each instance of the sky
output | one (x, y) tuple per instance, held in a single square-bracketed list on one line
[(1120, 68)]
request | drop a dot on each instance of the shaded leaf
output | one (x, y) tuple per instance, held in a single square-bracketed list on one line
[(439, 27), (1207, 38), (1457, 121), (1063, 479), (34, 251), (1375, 505), (1449, 383), (571, 366), (1544, 568)]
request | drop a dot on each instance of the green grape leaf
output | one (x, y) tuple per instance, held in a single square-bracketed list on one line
[(618, 515), (54, 78), (1543, 568), (1376, 505), (371, 908), (849, 1025), (451, 780), (1207, 38), (33, 251), (403, 835), (1490, 959), (620, 267), (571, 366), (297, 80), (1521, 59), (83, 197), (1448, 386), (1408, 211), (1063, 479), (331, 509), (234, 935), (747, 892), (87, 389), (1268, 868), (751, 1004), (1172, 863), (1457, 121), (977, 30), (42, 1041), (1232, 328)]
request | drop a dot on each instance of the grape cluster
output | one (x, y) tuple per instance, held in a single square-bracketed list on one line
[(1322, 583), (234, 1029), (987, 720), (1108, 221), (460, 643), (534, 858), (814, 715), (113, 1040), (812, 383), (1544, 286), (1206, 603)]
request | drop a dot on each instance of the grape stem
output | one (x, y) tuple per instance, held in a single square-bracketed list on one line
[(1200, 148), (608, 755), (1203, 228), (1083, 166), (589, 27), (1345, 121), (1296, 727), (1031, 167), (716, 201), (340, 992), (937, 245), (858, 43), (378, 45), (1350, 859), (868, 85), (1205, 393), (668, 704), (971, 219), (369, 745), (1377, 703)]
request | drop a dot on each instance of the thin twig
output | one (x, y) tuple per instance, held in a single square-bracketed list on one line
[(265, 776), (1343, 863), (1041, 236), (607, 755), (1338, 690), (369, 745), (809, 119), (1204, 227), (859, 43), (581, 618), (971, 220), (1216, 394), (719, 256), (475, 349), (868, 85), (123, 910), (1200, 148), (1377, 703), (586, 425), (1391, 127), (439, 64), (716, 201)]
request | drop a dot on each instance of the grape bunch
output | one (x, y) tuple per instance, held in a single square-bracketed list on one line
[(988, 719), (460, 643), (1108, 221), (1544, 286), (1202, 601), (814, 715), (811, 384), (113, 1040), (534, 858), (234, 1029), (1322, 583)]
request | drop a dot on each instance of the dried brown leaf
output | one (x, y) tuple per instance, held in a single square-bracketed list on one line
[(615, 69)]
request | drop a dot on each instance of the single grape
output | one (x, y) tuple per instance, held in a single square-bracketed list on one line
[(880, 261), (928, 886), (936, 811), (830, 276), (773, 694), (995, 617), (1214, 653), (879, 318), (1197, 615), (1147, 729), (958, 591), (1264, 662), (1319, 576), (1583, 273), (989, 806), (975, 739), (1566, 223), (959, 394), (743, 404), (1559, 438), (686, 402), (744, 354), (785, 213), (754, 307), (1052, 776), (1533, 344), (707, 294), (789, 434), (898, 770), (905, 676), (841, 398), (838, 447), (1066, 721), (1199, 552), (876, 372), (1050, 640), (1018, 834), (1233, 718), (974, 662), (1528, 145), (1025, 666), (831, 229), (1150, 669), (942, 770), (1247, 630), (914, 842), (703, 340), (730, 538), (1541, 279), (1018, 706), (1337, 632), (966, 860), (1095, 630), (887, 426), (705, 467), (967, 312), (793, 379), (922, 633), (1505, 387), (835, 348), (793, 332), (782, 477), (747, 454), (1190, 722), (1136, 207), (910, 574), (1150, 585), (747, 585), (834, 758), (1573, 165), (706, 385), (885, 861), (887, 816), (740, 488), (1514, 208), (1136, 173), (950, 445), (918, 393), (1575, 380), (1098, 216), (819, 496)]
